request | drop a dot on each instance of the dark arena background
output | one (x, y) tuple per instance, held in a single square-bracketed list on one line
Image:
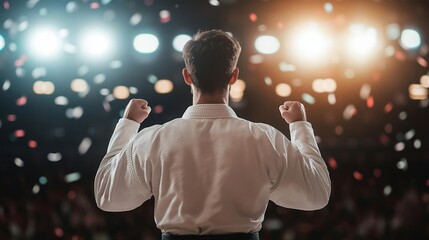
[(68, 69)]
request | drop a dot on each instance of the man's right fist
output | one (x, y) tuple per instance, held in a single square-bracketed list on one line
[(137, 110), (293, 111)]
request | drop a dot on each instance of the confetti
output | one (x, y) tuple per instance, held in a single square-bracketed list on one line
[(6, 85), (387, 190), (11, 117), (328, 7), (268, 81), (135, 19), (402, 164), (76, 112), (19, 133), (388, 107), (72, 177), (214, 3), (54, 157), (36, 189), (121, 92), (422, 62), (43, 180), (417, 144), (158, 109), (410, 134), (18, 162), (164, 16), (400, 146), (163, 86), (349, 112), (21, 101), (370, 102), (365, 91), (332, 163), (253, 17), (332, 99), (94, 5), (84, 146), (32, 144), (357, 175), (377, 172), (61, 100), (308, 98)]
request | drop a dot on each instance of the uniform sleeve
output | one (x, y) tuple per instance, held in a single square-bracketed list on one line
[(117, 186), (303, 179)]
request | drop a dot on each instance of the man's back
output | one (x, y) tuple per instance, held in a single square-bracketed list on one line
[(213, 173)]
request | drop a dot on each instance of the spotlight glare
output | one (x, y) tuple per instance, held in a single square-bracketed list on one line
[(163, 86), (44, 42), (311, 43), (410, 39), (96, 43), (267, 44), (179, 42), (362, 40), (146, 43)]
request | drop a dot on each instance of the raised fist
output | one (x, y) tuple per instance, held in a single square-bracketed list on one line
[(293, 111), (137, 110)]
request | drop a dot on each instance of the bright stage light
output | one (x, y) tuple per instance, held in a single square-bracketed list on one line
[(96, 43), (146, 43), (44, 42), (362, 40), (410, 39), (179, 41), (2, 42), (311, 43), (267, 44)]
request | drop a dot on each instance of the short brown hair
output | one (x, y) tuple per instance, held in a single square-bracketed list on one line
[(210, 58)]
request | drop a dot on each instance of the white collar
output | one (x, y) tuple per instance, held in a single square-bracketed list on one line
[(209, 111)]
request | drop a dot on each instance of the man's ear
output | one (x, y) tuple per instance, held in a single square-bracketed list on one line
[(234, 76), (187, 77)]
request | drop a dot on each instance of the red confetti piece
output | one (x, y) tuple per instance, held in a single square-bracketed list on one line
[(158, 109), (94, 5), (253, 17), (20, 61), (32, 144), (422, 62), (11, 117), (388, 107), (21, 101), (400, 56), (19, 133), (377, 172), (384, 139), (6, 5), (332, 163), (59, 232), (370, 102), (357, 175)]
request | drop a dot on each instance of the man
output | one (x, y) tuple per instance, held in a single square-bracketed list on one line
[(210, 172)]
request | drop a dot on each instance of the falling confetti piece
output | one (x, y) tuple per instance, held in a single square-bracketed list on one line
[(6, 85), (135, 19), (54, 157), (20, 61), (36, 189), (6, 5), (402, 164), (158, 109), (268, 81), (164, 16), (308, 98), (72, 177), (59, 232), (400, 146), (410, 134), (332, 163), (422, 62), (365, 91), (370, 102), (253, 17), (387, 190), (61, 100), (11, 117), (357, 175), (94, 5), (214, 3), (43, 180), (18, 162), (377, 172), (19, 133), (84, 146), (417, 144), (21, 101), (388, 107), (349, 112), (32, 144), (332, 99), (403, 115)]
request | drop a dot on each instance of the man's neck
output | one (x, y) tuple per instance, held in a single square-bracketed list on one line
[(216, 98)]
